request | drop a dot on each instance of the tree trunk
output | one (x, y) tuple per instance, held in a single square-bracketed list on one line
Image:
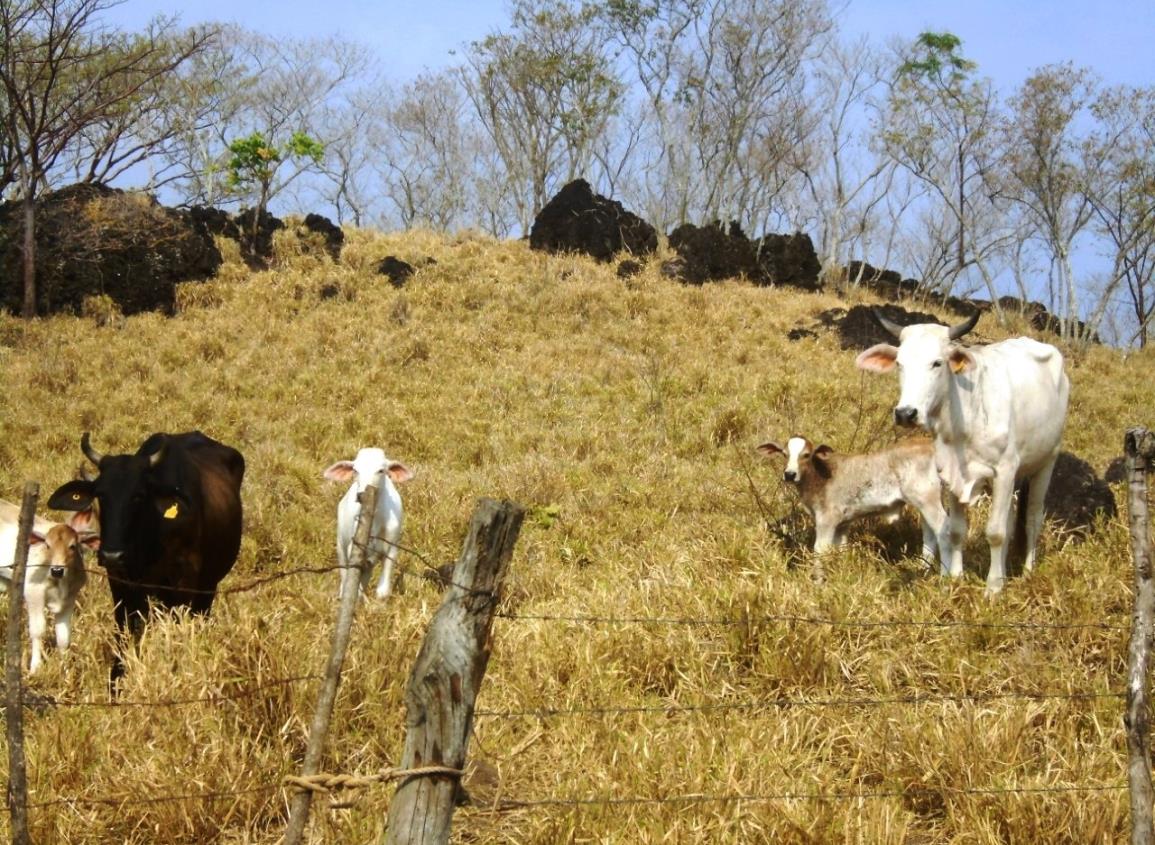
[(29, 255)]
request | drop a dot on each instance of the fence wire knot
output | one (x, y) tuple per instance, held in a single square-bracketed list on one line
[(325, 782)]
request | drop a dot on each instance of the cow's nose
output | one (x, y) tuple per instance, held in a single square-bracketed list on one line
[(110, 557), (56, 571), (905, 416), (789, 475)]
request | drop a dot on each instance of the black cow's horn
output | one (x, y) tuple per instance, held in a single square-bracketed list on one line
[(88, 451), (962, 328), (156, 457), (893, 328)]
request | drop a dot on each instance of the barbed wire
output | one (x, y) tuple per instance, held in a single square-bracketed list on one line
[(130, 800), (783, 703), (249, 692), (809, 620), (730, 798)]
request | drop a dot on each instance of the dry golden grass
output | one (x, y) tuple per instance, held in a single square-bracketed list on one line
[(624, 414)]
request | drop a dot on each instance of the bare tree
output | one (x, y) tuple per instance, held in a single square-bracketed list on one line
[(1044, 172), (544, 92), (1120, 161), (847, 180), (62, 75), (723, 95), (941, 128)]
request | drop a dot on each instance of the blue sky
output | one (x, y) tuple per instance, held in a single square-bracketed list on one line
[(1008, 38)]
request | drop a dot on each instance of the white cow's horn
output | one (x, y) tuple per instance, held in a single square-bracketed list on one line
[(962, 328), (894, 329)]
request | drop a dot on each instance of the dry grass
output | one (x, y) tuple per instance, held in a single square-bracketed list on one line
[(625, 413)]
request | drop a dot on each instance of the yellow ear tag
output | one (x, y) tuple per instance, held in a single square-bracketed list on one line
[(171, 512)]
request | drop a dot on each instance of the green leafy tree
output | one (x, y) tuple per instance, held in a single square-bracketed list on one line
[(254, 161), (941, 127)]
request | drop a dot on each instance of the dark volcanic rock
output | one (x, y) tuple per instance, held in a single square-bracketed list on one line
[(396, 270), (95, 240), (628, 269), (714, 252), (790, 260), (711, 253), (859, 330), (578, 220), (1077, 496), (327, 229)]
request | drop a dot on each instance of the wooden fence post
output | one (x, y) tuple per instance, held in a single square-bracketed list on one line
[(1139, 447), (350, 595), (446, 677), (13, 671)]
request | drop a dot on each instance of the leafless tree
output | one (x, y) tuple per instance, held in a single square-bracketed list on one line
[(1120, 161)]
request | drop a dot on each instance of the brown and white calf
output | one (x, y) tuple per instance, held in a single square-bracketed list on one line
[(54, 574), (838, 489)]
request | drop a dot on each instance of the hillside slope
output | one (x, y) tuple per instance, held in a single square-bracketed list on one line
[(624, 414)]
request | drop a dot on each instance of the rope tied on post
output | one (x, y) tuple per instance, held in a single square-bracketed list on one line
[(325, 783)]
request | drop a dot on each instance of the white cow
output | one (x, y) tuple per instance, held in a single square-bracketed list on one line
[(371, 466), (838, 489), (54, 575), (997, 414)]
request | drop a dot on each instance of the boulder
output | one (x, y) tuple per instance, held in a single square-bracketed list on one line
[(578, 220)]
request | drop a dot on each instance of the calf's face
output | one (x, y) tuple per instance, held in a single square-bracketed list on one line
[(800, 456), (363, 469), (64, 544)]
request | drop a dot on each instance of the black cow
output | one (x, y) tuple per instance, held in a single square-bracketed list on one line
[(170, 522)]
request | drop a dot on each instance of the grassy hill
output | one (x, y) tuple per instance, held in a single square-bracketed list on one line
[(624, 414)]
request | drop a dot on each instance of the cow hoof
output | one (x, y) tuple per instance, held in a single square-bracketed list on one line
[(992, 591)]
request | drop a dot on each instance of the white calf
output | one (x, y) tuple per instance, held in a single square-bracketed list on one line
[(386, 529), (838, 489), (54, 574)]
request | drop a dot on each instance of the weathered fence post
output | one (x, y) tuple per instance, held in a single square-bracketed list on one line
[(446, 677), (1139, 447), (350, 595), (13, 670)]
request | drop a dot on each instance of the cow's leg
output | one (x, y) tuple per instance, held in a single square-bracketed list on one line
[(1036, 498), (384, 586), (129, 609), (953, 535), (825, 535), (36, 625), (64, 626), (1002, 510)]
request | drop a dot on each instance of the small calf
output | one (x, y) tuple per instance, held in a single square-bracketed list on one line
[(838, 489), (54, 574), (387, 521)]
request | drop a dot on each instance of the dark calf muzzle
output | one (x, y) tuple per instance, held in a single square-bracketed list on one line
[(906, 416), (789, 475), (56, 571)]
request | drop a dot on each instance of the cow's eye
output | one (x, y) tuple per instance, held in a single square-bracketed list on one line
[(936, 364)]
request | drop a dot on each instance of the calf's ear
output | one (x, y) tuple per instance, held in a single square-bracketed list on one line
[(340, 471), (822, 452), (770, 449), (879, 358), (73, 496), (35, 538), (89, 539), (399, 473)]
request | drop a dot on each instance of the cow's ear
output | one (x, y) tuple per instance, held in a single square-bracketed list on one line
[(35, 538), (73, 496), (770, 449), (399, 473), (880, 358), (89, 539), (340, 471), (822, 452), (960, 360), (82, 520)]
